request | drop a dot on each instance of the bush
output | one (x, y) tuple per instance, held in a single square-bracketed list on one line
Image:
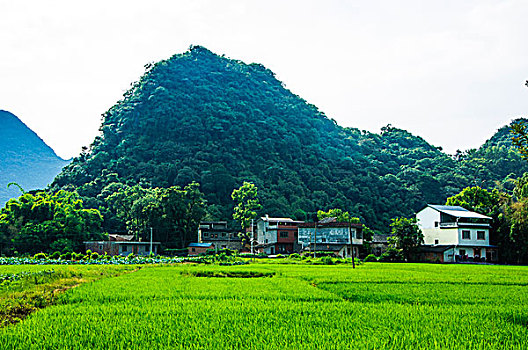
[(370, 258), (55, 255), (327, 260), (40, 256), (66, 256), (295, 256), (95, 256), (391, 255)]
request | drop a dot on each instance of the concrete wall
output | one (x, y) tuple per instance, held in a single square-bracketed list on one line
[(445, 236), (473, 236), (427, 218)]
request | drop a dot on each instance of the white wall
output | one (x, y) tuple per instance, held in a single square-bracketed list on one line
[(445, 236), (427, 218)]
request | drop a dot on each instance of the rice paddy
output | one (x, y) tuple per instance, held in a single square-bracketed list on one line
[(268, 306)]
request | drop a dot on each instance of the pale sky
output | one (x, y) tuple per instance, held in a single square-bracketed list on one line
[(452, 72)]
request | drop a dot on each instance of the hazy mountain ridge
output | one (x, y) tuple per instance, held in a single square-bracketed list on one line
[(24, 158)]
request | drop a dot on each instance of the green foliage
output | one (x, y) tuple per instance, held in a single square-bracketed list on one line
[(39, 256), (519, 129), (406, 236), (370, 258), (475, 199), (339, 214), (246, 204), (45, 222)]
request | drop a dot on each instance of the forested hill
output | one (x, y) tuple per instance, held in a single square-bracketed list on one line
[(203, 117), (24, 158)]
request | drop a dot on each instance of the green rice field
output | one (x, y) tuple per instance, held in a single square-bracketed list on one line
[(272, 306)]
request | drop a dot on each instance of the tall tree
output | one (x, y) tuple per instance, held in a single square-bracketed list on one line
[(407, 236), (182, 209), (246, 204)]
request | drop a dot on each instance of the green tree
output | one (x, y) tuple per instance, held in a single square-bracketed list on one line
[(406, 236), (182, 209), (519, 129), (339, 214), (246, 204), (42, 222), (476, 199)]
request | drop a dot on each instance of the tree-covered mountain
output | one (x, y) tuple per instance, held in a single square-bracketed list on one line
[(24, 158), (203, 117)]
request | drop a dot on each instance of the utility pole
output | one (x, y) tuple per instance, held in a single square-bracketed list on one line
[(351, 247), (150, 241), (252, 237), (315, 238)]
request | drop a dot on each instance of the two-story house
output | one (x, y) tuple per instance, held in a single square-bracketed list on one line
[(276, 235), (217, 233), (330, 236), (453, 233)]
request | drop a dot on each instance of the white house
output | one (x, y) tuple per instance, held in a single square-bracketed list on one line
[(276, 235), (454, 234)]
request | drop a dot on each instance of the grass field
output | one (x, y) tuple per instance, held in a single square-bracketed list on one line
[(375, 306)]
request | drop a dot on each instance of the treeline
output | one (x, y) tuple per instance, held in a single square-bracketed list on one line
[(58, 222)]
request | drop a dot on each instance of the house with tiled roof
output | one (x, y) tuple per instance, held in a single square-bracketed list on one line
[(453, 233)]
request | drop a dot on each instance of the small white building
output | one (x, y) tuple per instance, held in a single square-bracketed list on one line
[(456, 233), (276, 235)]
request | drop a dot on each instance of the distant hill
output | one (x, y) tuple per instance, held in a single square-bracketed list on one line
[(204, 117), (24, 158)]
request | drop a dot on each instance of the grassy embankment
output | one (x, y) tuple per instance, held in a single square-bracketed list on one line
[(375, 306)]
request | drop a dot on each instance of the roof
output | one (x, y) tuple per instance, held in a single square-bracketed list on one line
[(200, 245), (458, 212), (116, 237), (436, 248), (327, 220)]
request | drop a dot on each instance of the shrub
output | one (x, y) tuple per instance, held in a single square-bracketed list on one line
[(370, 258), (55, 255), (66, 256), (327, 260), (40, 256), (391, 255), (295, 256), (95, 256)]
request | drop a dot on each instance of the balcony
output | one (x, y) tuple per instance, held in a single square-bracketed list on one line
[(463, 224)]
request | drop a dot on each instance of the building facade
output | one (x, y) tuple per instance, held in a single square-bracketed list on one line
[(276, 235), (340, 238), (122, 245), (457, 233), (217, 233)]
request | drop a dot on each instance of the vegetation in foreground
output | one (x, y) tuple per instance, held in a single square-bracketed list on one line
[(376, 306), (25, 288)]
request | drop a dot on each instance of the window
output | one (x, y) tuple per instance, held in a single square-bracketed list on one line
[(124, 248), (205, 234), (283, 234), (359, 234), (462, 252), (193, 249), (466, 234), (323, 239), (436, 223), (266, 241), (100, 247), (436, 241), (223, 234), (481, 234)]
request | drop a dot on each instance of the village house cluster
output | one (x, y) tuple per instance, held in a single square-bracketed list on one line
[(451, 234)]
